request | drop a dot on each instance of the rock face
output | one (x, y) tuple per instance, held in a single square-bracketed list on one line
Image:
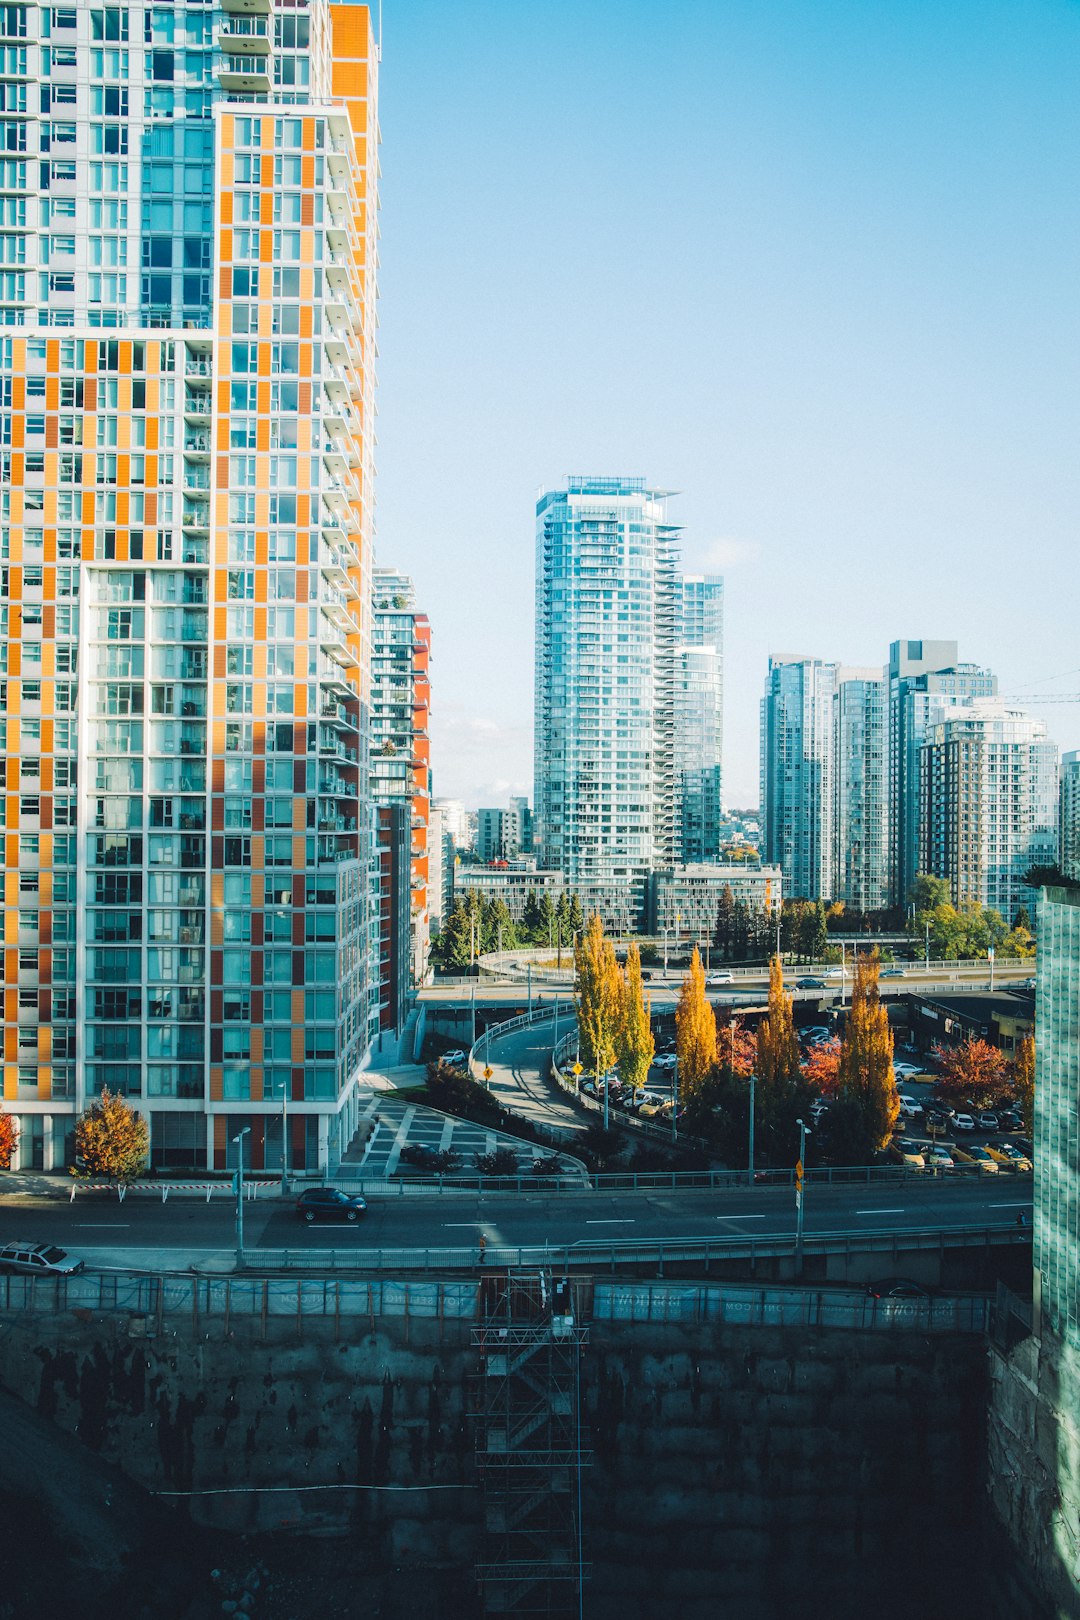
[(736, 1471)]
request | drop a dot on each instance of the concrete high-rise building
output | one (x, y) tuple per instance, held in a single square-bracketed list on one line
[(401, 779), (607, 617), (988, 803), (440, 868), (925, 679), (699, 720), (504, 835), (1069, 817), (860, 860), (458, 822), (797, 773), (186, 409)]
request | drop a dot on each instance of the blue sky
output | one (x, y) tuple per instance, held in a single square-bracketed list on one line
[(814, 265)]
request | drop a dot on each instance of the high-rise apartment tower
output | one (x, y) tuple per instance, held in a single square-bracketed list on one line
[(187, 196), (988, 802), (796, 773), (925, 678), (860, 826), (699, 717), (607, 618)]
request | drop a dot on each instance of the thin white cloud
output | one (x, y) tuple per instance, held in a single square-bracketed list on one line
[(723, 554)]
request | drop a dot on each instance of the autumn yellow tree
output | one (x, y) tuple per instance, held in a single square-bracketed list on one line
[(598, 997), (9, 1138), (1023, 1079), (111, 1139), (695, 1028), (635, 1044), (867, 1083), (777, 1045)]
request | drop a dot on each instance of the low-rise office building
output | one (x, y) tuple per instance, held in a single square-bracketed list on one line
[(684, 899)]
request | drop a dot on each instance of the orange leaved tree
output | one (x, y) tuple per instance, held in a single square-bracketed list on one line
[(111, 1140), (695, 1028)]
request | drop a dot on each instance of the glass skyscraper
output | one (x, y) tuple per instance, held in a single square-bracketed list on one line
[(797, 773), (860, 861), (187, 234), (607, 619), (1057, 1111), (699, 717)]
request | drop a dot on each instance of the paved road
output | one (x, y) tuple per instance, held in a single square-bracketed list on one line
[(110, 1233), (664, 988), (519, 1063)]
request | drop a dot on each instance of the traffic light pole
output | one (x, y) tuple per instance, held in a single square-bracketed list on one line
[(803, 1134)]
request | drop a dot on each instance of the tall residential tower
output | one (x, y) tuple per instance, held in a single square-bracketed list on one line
[(607, 619), (187, 196), (796, 773), (699, 717)]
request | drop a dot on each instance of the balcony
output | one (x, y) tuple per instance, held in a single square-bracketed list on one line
[(244, 34), (198, 365), (197, 446), (247, 74), (197, 405)]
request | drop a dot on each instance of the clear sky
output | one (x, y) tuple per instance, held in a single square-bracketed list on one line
[(812, 263)]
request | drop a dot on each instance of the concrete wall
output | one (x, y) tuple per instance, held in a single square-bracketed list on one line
[(735, 1468), (1034, 1474)]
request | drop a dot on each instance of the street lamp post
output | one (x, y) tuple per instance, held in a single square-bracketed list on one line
[(926, 954), (799, 1172), (606, 1089), (675, 1099), (239, 1141), (843, 971), (285, 1133), (750, 1154)]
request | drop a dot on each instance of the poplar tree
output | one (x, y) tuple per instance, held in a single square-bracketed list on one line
[(725, 908), (778, 1067), (695, 1027), (1023, 1078), (598, 997), (866, 1077), (635, 1043)]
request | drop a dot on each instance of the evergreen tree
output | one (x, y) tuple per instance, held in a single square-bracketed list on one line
[(695, 1027), (1022, 919), (453, 941), (530, 917), (866, 1076), (722, 933), (546, 929), (598, 998), (577, 920), (503, 929), (635, 1043)]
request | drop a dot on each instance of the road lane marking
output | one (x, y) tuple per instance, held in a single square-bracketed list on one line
[(614, 1221), (1024, 1205), (879, 1212), (742, 1217), (103, 1226), (451, 1226)]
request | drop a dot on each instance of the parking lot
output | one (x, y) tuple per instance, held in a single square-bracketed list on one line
[(399, 1124)]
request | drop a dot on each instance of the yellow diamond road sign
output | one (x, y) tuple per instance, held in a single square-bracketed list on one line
[(488, 1071)]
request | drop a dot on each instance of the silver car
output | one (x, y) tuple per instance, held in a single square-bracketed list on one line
[(39, 1258)]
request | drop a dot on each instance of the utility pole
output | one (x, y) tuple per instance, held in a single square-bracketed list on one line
[(799, 1173), (990, 954), (530, 989), (843, 971), (675, 1100), (472, 1043), (285, 1132), (239, 1141), (926, 957)]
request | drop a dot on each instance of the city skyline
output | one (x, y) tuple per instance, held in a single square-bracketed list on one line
[(852, 382)]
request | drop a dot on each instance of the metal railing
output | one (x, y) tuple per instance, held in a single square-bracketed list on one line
[(163, 1299)]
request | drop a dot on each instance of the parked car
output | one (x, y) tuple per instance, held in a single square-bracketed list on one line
[(328, 1204), (897, 1288), (809, 984), (905, 1153), (39, 1259), (988, 1121), (818, 1108), (666, 1060), (983, 1159), (1010, 1120), (938, 1158), (456, 1056), (903, 1069), (716, 979), (650, 1110), (962, 1122), (909, 1107), (1010, 1155)]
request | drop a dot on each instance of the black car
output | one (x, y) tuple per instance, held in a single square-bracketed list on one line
[(897, 1288), (809, 984), (328, 1204)]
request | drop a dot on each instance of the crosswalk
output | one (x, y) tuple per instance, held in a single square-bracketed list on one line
[(395, 1124)]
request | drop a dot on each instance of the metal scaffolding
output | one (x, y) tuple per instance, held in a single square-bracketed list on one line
[(529, 1448)]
